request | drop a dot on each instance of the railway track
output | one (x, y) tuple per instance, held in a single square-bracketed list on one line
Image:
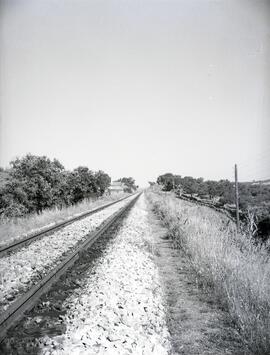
[(26, 301), (7, 248)]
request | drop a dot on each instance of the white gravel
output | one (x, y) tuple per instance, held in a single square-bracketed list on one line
[(120, 307), (20, 269)]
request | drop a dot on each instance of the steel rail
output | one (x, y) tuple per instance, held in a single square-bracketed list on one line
[(15, 312), (48, 230)]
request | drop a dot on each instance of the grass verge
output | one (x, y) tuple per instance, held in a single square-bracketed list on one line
[(11, 229), (227, 263)]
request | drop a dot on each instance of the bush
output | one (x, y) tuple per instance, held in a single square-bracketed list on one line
[(130, 184), (36, 183)]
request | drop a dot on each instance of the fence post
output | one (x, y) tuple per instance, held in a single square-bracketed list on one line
[(236, 197)]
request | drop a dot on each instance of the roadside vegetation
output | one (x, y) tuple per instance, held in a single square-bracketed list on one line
[(129, 183), (228, 264), (251, 193), (254, 198), (35, 183)]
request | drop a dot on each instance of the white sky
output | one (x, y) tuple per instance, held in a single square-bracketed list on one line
[(138, 88)]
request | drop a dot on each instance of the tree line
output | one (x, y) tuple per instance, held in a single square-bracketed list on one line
[(34, 183), (129, 183), (250, 195)]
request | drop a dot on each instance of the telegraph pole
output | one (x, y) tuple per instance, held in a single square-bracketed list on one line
[(236, 197)]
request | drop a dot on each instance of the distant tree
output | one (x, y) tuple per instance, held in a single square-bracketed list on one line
[(82, 184), (167, 181), (225, 190), (177, 180), (103, 181), (201, 187), (129, 182), (212, 188), (190, 185)]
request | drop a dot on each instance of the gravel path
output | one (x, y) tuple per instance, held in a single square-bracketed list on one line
[(21, 269), (119, 309)]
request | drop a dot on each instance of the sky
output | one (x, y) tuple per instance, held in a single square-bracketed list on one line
[(138, 87)]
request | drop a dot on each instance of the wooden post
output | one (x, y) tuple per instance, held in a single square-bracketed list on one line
[(236, 198)]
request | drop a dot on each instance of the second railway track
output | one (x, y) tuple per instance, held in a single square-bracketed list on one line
[(26, 301)]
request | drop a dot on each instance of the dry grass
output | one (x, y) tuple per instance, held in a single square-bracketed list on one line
[(227, 263), (11, 229)]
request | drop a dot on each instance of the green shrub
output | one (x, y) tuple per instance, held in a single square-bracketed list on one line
[(36, 183)]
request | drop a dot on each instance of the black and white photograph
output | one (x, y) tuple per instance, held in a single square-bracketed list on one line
[(135, 177)]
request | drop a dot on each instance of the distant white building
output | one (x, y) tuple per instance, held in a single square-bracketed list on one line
[(117, 186), (262, 182)]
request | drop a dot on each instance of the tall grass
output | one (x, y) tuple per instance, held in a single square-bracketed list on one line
[(227, 263), (14, 228)]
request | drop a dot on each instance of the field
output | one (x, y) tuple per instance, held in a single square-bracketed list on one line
[(228, 264)]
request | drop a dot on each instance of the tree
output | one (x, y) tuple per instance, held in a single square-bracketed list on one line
[(34, 183), (177, 180), (39, 178), (211, 188), (190, 185), (129, 182), (82, 184), (103, 181), (202, 187), (167, 181), (225, 190)]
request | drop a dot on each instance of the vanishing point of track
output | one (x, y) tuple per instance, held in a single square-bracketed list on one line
[(28, 299)]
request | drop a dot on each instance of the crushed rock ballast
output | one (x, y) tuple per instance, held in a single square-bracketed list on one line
[(120, 307)]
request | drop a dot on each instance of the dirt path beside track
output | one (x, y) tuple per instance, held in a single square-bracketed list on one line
[(196, 324)]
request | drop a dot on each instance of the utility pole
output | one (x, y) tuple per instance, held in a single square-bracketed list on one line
[(236, 197)]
